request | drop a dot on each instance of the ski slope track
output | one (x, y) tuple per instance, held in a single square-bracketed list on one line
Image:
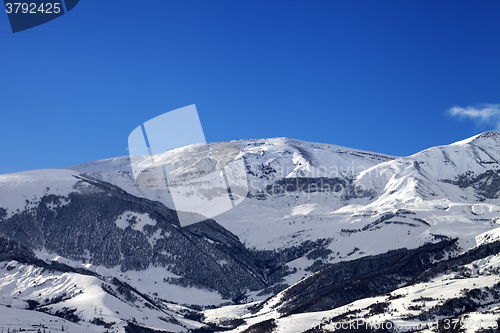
[(327, 238)]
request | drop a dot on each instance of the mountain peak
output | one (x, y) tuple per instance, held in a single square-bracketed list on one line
[(490, 136), (487, 135)]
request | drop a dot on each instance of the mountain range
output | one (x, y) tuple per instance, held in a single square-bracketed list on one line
[(326, 238)]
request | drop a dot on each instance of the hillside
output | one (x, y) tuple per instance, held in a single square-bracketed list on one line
[(292, 247)]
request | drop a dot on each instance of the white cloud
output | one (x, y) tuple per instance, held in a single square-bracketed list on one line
[(482, 113)]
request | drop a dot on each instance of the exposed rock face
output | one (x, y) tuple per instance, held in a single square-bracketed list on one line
[(486, 185)]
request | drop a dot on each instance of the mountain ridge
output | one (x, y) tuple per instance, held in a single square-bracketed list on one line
[(309, 206)]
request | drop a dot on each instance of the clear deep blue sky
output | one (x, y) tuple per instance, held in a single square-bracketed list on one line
[(373, 75)]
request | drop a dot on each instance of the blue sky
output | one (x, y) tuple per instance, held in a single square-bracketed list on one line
[(374, 75)]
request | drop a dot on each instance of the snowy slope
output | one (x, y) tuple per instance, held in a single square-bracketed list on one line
[(308, 206), (24, 190), (266, 160), (355, 201), (463, 295), (447, 190), (91, 302)]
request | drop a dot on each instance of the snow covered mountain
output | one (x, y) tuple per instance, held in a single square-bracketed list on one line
[(325, 234)]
